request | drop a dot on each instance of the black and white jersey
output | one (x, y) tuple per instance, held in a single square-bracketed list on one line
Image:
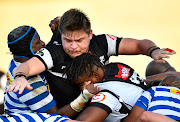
[(56, 60), (123, 81)]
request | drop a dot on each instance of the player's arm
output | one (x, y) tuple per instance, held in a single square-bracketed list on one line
[(31, 67), (77, 105), (148, 116), (160, 76), (93, 114), (145, 47), (54, 23), (134, 114)]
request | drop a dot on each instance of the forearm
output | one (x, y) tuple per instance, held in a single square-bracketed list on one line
[(31, 67), (148, 116), (144, 45), (74, 107), (161, 76), (67, 111)]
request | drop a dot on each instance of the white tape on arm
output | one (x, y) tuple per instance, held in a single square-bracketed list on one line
[(81, 100)]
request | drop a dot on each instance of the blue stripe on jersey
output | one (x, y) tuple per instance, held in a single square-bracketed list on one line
[(12, 66), (41, 116), (164, 107), (13, 99), (34, 85), (14, 107), (145, 100), (31, 77), (31, 119), (142, 104), (17, 118), (4, 119), (13, 102), (174, 117), (37, 84), (151, 91), (162, 89), (61, 118), (164, 98), (42, 76), (46, 107), (37, 98)]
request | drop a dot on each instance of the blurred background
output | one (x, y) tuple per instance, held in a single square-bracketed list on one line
[(157, 20)]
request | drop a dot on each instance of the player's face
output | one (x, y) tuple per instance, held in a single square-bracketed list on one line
[(37, 44), (76, 42), (95, 77), (83, 79)]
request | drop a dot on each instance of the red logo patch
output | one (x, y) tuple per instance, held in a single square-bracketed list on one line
[(98, 97), (124, 72)]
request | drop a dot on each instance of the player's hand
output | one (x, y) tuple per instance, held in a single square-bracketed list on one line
[(54, 23), (92, 88), (160, 54), (20, 84)]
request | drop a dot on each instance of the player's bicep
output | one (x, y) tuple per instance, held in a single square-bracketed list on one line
[(128, 46), (93, 114)]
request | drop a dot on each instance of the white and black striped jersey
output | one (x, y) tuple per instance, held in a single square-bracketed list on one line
[(55, 60), (120, 89)]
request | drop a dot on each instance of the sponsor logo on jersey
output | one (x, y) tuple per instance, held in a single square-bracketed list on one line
[(56, 43), (102, 59), (124, 72), (176, 91), (40, 52), (9, 78), (98, 97), (63, 67)]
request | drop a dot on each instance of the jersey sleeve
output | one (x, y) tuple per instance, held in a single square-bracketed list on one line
[(39, 99), (51, 54), (45, 57), (145, 98), (106, 101), (109, 44), (113, 44)]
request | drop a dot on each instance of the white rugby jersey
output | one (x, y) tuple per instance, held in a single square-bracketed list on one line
[(123, 81), (164, 100), (37, 100)]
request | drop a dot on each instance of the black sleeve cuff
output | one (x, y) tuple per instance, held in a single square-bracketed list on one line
[(102, 106)]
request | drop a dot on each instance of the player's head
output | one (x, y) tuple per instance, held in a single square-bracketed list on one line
[(76, 33), (154, 68), (73, 20), (24, 41), (171, 80), (84, 68)]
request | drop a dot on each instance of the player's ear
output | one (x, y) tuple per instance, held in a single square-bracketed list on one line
[(90, 34), (95, 77)]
